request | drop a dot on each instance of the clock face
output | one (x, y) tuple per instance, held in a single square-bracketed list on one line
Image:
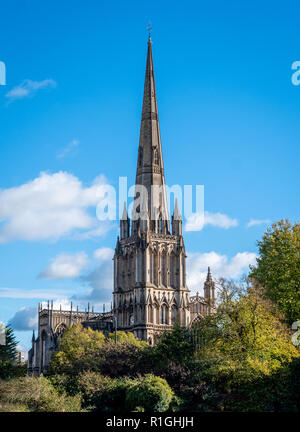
[(131, 320)]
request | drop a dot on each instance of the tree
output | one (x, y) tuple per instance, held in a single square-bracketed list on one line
[(246, 349), (278, 267), (78, 344), (126, 337), (175, 346), (84, 349), (8, 351)]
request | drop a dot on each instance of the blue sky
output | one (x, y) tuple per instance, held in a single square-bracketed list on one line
[(70, 118)]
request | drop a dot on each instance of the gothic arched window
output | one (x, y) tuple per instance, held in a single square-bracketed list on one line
[(155, 157), (163, 268), (173, 270), (155, 268), (164, 314), (156, 315), (174, 314), (150, 314), (60, 329)]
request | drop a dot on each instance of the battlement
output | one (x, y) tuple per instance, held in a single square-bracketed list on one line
[(82, 315)]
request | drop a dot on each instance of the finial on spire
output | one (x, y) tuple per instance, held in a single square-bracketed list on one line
[(149, 32), (124, 215)]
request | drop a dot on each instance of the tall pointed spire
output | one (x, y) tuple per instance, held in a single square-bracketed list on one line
[(209, 288), (124, 215), (208, 277), (177, 215), (150, 171), (176, 220), (124, 224)]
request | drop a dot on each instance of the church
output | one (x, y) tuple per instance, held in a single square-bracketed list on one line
[(150, 291)]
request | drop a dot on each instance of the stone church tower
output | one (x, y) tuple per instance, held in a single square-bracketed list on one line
[(150, 292)]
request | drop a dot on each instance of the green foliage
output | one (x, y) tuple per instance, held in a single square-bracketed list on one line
[(87, 350), (98, 392), (195, 391), (7, 407), (8, 351), (78, 344), (9, 370), (175, 346), (8, 367), (243, 361), (36, 394), (246, 349), (93, 386), (151, 393), (278, 267), (123, 359), (103, 393), (126, 337), (65, 383)]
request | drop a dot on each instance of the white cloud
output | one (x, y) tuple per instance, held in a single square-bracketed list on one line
[(221, 266), (255, 222), (103, 228), (65, 266), (104, 253), (30, 294), (100, 280), (28, 88), (60, 302), (25, 319), (196, 221), (70, 149), (49, 207)]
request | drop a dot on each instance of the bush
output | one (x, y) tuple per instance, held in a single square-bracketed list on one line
[(195, 392), (87, 350), (94, 389), (5, 407), (102, 392), (98, 392), (125, 358), (36, 394), (149, 392), (9, 370), (65, 384)]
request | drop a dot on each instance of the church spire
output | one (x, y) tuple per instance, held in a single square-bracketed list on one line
[(208, 277), (209, 288), (150, 171), (176, 220), (124, 224)]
